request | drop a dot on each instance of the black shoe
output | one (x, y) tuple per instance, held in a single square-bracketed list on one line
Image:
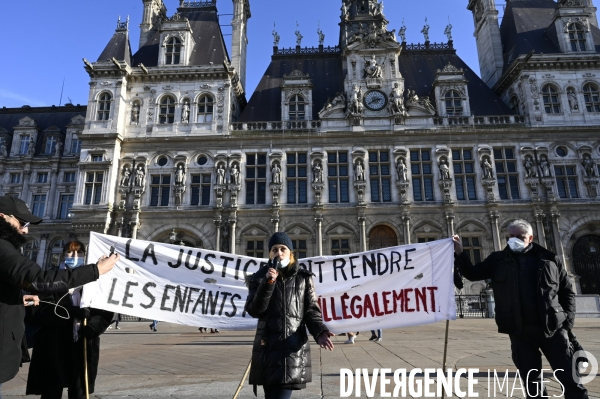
[(151, 328), (373, 338), (154, 329)]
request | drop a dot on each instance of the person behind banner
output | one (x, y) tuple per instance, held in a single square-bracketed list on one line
[(58, 354), (535, 305), (18, 272), (282, 297)]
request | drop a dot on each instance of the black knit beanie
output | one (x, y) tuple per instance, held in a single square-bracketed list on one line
[(280, 238)]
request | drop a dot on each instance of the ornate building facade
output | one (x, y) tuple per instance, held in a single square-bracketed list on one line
[(370, 143)]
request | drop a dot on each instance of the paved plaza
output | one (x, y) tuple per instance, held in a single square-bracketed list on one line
[(180, 362)]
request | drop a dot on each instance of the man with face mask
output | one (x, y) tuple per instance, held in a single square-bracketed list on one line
[(535, 305), (18, 272)]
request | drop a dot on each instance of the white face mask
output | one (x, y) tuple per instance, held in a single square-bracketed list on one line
[(285, 262), (516, 245)]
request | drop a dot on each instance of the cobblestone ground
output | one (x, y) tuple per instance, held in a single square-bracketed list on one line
[(180, 362)]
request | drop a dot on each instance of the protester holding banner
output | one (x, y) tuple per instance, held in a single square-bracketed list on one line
[(282, 296), (535, 305), (18, 272), (57, 361)]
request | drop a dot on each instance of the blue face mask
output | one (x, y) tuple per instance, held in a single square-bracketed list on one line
[(72, 263)]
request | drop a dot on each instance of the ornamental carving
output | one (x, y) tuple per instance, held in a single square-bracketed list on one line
[(296, 74), (451, 68), (178, 35), (582, 21), (289, 93), (458, 88), (533, 86)]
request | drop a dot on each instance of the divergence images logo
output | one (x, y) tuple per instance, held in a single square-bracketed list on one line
[(584, 362)]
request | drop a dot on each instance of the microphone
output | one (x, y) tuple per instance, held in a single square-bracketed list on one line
[(275, 264)]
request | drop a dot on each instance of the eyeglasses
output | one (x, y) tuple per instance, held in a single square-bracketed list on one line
[(22, 223)]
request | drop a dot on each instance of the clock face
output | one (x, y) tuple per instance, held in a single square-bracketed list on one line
[(375, 100)]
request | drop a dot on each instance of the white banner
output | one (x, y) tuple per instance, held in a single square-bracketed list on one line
[(385, 288)]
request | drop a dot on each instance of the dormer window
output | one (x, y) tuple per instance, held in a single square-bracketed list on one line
[(104, 106), (51, 145), (576, 37), (592, 97), (173, 51), (551, 99), (205, 109), (75, 145), (167, 110), (297, 108), (453, 102), (24, 147)]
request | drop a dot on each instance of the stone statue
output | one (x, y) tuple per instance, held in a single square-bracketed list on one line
[(359, 171), (379, 8), (125, 176), (402, 32), (140, 176), (180, 176), (31, 148), (589, 166), (373, 69), (276, 38), (235, 174), (530, 170), (425, 31), (397, 101), (298, 38), (135, 114), (321, 36), (444, 170), (317, 173), (58, 148), (412, 96), (338, 99), (545, 166), (220, 175), (355, 105), (185, 113), (402, 170), (488, 170), (275, 173), (573, 105), (448, 32), (3, 151)]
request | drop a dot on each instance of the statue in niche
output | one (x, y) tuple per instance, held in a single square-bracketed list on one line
[(31, 148), (425, 31), (402, 170), (235, 174), (589, 166), (135, 114), (359, 171), (444, 170), (373, 69), (344, 10), (448, 32), (3, 151), (397, 101), (572, 97), (180, 176), (125, 176), (276, 38), (58, 148), (355, 105), (185, 113), (321, 36), (140, 176), (275, 173), (298, 37), (220, 175), (530, 170), (545, 166), (402, 32), (317, 173), (488, 170)]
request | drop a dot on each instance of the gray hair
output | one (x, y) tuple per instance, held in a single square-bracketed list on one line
[(521, 224)]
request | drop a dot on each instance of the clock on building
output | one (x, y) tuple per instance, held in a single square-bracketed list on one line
[(375, 100)]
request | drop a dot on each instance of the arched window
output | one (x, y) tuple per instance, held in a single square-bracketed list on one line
[(592, 97), (167, 110), (551, 100), (173, 51), (576, 37), (297, 105), (453, 103), (205, 109), (30, 251), (104, 106)]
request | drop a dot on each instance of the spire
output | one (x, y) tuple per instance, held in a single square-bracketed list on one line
[(118, 47), (154, 11), (239, 37)]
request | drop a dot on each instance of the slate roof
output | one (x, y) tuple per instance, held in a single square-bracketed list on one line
[(418, 68), (44, 117), (527, 25), (210, 45), (118, 47)]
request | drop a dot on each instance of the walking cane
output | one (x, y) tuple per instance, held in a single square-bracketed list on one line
[(85, 367), (242, 381), (445, 352)]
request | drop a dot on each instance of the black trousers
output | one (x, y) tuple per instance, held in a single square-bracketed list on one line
[(276, 392), (557, 349)]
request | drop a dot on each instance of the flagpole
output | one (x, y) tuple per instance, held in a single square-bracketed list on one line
[(242, 381), (85, 365), (445, 352)]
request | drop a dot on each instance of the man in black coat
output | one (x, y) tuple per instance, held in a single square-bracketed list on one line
[(535, 305), (20, 273)]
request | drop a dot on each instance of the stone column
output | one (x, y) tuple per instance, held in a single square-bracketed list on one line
[(495, 230), (450, 223), (319, 225), (42, 251), (539, 225), (25, 190), (232, 223), (363, 233), (217, 223), (557, 238), (51, 194), (135, 223), (406, 228)]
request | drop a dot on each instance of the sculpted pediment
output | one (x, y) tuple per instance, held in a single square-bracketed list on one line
[(78, 120), (27, 121)]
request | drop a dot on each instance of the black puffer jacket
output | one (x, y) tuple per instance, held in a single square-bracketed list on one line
[(554, 293), (281, 352)]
